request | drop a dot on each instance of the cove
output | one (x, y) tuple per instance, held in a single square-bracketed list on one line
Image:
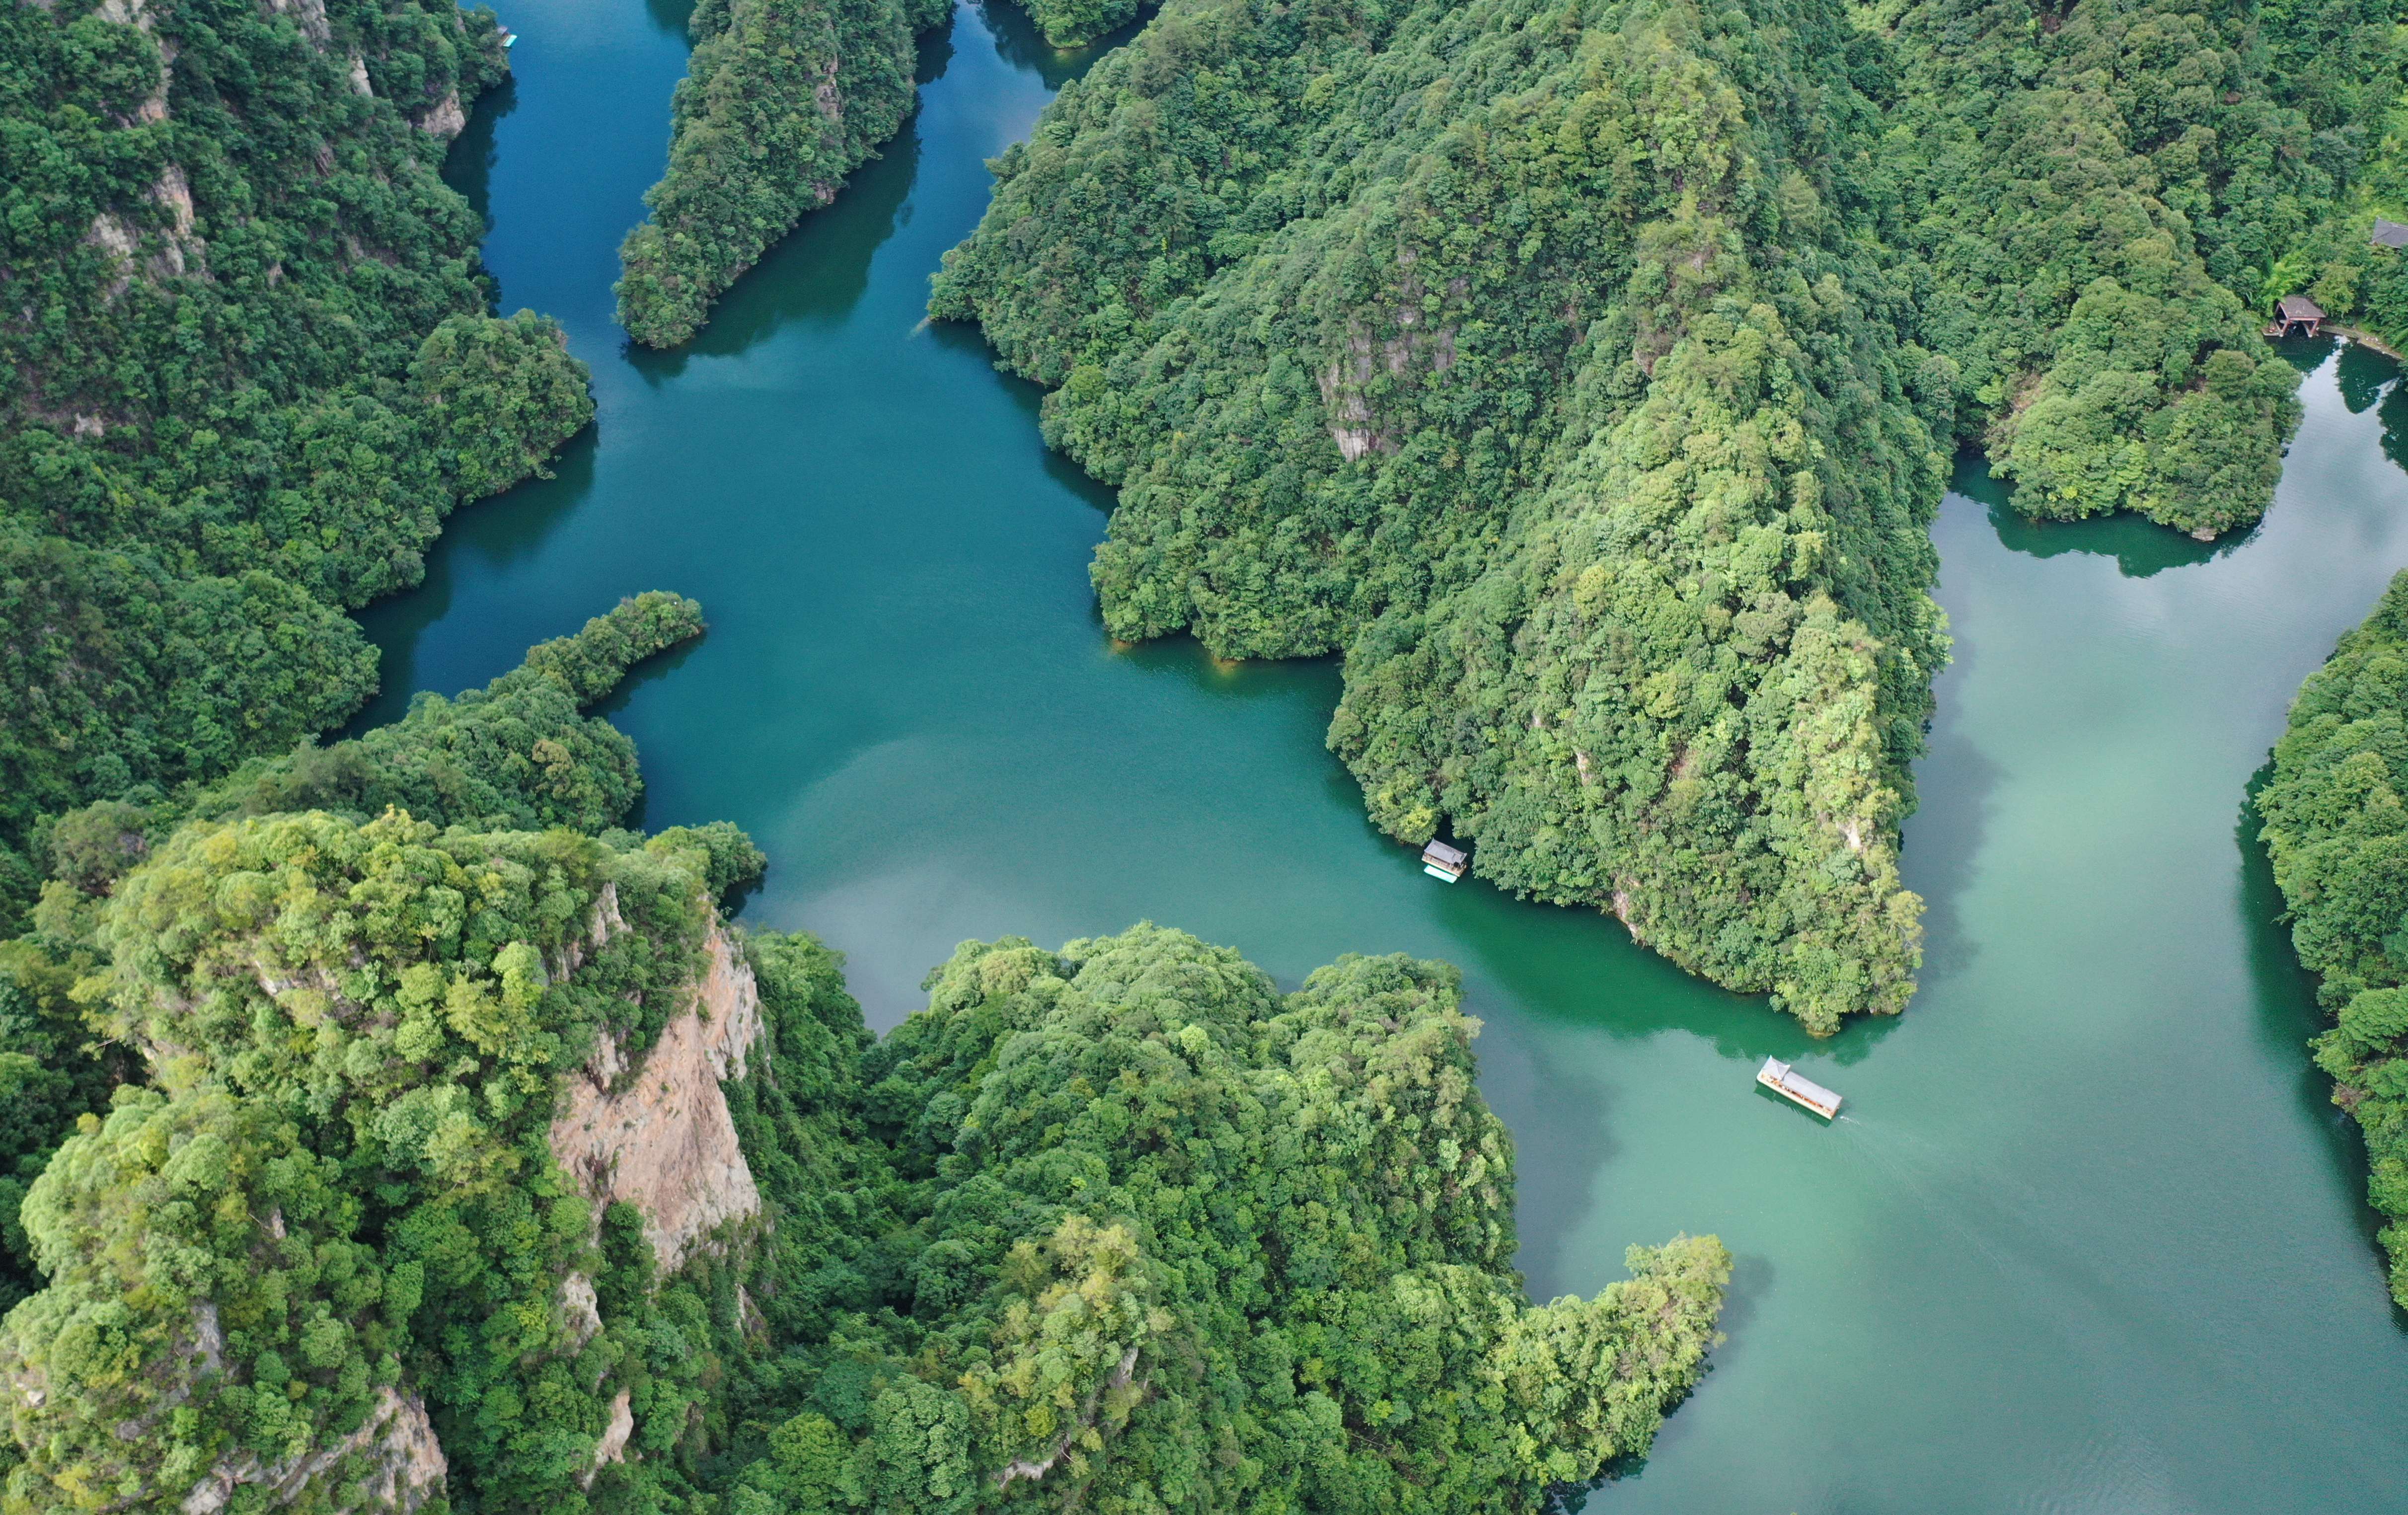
[(2091, 1239)]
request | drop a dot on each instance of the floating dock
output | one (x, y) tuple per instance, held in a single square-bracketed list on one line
[(1440, 861), (1796, 1087)]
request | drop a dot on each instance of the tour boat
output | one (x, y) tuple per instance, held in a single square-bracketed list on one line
[(1794, 1086), (1440, 861)]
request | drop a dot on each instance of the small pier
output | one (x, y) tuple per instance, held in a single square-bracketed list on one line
[(1440, 861), (1798, 1089)]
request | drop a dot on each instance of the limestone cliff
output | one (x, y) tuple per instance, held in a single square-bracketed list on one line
[(391, 1462), (658, 1134)]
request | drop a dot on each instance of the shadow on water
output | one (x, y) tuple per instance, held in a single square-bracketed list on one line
[(509, 528), (468, 167), (1022, 46), (2361, 374), (815, 275), (1028, 398), (674, 17), (934, 55), (2288, 1018), (650, 671), (2138, 546), (1955, 786)]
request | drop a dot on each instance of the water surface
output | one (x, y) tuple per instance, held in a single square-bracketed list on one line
[(2091, 1238)]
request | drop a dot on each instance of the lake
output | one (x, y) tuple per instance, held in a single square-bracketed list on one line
[(2091, 1235)]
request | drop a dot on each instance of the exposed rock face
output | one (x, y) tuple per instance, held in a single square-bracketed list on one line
[(659, 1135), (391, 1462), (444, 118), (612, 1448), (310, 15), (579, 1310)]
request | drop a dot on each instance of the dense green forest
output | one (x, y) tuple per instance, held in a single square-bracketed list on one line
[(1119, 1226), (248, 371), (2337, 829), (1539, 362), (1074, 24), (2091, 199), (517, 754), (781, 99), (1586, 372)]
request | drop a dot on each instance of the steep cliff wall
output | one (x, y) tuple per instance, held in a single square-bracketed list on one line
[(323, 1261), (658, 1135)]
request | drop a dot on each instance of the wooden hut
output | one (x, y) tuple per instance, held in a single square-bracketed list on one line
[(2295, 315), (1440, 861), (2388, 234), (1798, 1089)]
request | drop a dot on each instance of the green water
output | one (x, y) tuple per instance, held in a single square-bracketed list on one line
[(2091, 1237)]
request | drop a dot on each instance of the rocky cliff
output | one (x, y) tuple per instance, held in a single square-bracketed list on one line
[(658, 1134)]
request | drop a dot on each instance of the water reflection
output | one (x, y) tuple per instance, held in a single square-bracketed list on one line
[(468, 168), (674, 17), (2140, 547), (2362, 374), (816, 275), (481, 537)]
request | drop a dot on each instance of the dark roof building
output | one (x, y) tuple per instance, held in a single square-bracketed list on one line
[(2388, 234), (2295, 315), (1440, 861)]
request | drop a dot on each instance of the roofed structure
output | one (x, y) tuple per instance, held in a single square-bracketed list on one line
[(1440, 861), (2388, 234), (1796, 1087), (2295, 315)]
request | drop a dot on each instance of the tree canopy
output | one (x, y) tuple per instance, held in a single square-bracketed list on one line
[(1120, 1226), (2337, 830), (1532, 353), (781, 99), (248, 370), (1586, 372)]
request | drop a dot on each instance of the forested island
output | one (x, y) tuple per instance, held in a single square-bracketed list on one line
[(1587, 374), (781, 99)]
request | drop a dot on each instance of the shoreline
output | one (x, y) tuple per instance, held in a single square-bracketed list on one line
[(2367, 339)]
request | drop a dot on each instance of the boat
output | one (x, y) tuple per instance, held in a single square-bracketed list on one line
[(1440, 861), (1796, 1087)]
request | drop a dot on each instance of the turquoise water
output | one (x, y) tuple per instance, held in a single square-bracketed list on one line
[(2090, 1237)]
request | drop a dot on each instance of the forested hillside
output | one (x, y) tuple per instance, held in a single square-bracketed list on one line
[(2094, 195), (517, 754), (1535, 356), (2337, 829), (1586, 371), (781, 99), (1119, 1226), (247, 372), (1074, 24)]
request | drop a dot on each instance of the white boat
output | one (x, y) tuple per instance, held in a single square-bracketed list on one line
[(1794, 1086)]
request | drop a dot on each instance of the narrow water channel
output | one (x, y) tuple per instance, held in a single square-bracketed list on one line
[(2091, 1237)]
